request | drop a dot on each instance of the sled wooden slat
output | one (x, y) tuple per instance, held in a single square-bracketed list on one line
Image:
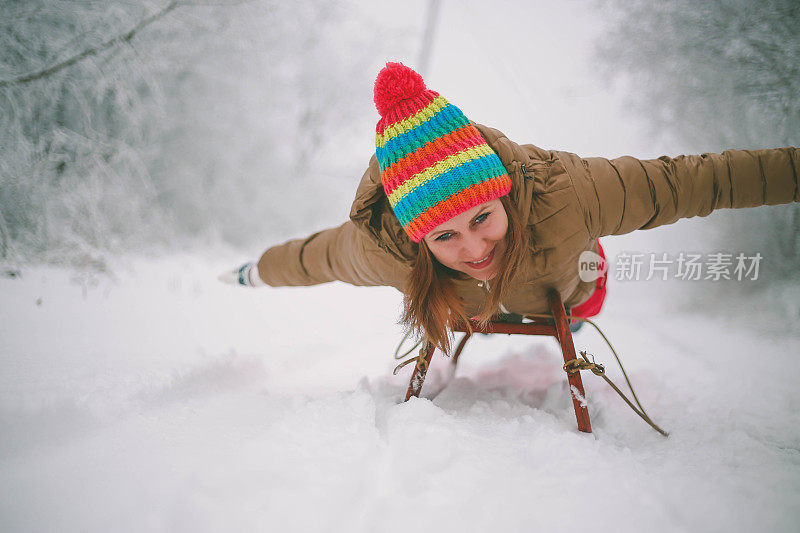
[(557, 327), (529, 328)]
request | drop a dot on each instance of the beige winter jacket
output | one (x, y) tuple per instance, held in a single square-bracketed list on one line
[(566, 202)]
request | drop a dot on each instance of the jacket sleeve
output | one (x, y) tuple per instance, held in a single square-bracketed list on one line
[(625, 194), (343, 253)]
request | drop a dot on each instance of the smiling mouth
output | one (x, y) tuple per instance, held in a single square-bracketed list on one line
[(482, 262)]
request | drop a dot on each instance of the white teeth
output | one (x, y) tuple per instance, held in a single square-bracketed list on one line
[(482, 260)]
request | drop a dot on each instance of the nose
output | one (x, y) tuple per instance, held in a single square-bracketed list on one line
[(475, 247)]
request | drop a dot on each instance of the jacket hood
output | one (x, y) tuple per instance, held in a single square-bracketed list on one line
[(372, 213)]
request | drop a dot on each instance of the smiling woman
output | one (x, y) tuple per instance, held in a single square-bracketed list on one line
[(493, 233), (472, 242), (467, 223)]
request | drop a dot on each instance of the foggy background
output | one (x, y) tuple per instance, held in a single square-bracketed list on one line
[(147, 146), (154, 126)]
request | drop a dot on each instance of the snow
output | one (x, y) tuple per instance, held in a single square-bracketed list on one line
[(159, 399), (578, 396), (154, 398)]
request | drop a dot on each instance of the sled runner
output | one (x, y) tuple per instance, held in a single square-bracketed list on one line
[(557, 326)]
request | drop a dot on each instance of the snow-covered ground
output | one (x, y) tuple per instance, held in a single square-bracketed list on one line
[(154, 398), (158, 399)]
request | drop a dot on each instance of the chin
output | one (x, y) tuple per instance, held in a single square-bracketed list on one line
[(483, 276)]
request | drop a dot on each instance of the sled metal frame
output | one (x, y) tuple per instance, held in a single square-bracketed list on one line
[(557, 326)]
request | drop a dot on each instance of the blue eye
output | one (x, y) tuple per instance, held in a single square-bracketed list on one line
[(480, 219)]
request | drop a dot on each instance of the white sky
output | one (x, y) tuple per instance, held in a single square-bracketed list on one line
[(526, 68)]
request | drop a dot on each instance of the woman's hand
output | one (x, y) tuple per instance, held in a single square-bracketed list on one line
[(246, 275)]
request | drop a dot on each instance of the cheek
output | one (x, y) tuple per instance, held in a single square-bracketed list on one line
[(441, 253), (498, 230), (448, 256)]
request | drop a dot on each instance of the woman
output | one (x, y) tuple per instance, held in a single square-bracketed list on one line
[(467, 223)]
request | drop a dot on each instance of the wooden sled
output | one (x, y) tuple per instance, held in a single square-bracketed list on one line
[(557, 326)]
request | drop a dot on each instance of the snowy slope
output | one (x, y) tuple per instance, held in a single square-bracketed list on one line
[(156, 399), (160, 400)]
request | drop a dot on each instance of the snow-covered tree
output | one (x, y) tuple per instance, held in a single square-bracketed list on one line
[(127, 124), (714, 75)]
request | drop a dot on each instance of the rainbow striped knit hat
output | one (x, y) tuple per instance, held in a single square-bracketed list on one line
[(434, 163)]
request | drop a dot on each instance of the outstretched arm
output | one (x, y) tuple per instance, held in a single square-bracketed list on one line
[(343, 253), (625, 194)]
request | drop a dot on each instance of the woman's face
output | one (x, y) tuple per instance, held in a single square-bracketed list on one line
[(472, 242)]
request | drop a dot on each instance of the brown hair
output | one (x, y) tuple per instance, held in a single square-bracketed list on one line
[(432, 305)]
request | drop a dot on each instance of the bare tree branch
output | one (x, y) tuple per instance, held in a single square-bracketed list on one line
[(5, 239), (125, 37), (427, 37)]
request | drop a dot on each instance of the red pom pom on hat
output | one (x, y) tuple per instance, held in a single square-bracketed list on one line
[(395, 83)]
